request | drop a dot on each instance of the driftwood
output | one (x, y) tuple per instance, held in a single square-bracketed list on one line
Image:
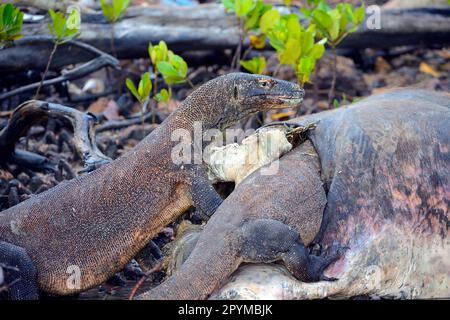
[(205, 27), (33, 112), (102, 60)]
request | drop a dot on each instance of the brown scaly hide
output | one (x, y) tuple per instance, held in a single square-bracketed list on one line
[(275, 196), (386, 167), (99, 221)]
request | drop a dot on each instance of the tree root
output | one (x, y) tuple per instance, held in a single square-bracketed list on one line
[(33, 112)]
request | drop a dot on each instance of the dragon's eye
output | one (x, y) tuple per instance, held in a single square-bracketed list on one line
[(265, 84)]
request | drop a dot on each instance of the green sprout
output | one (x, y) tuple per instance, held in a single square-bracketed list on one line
[(171, 66), (142, 92), (248, 14), (255, 65), (334, 25), (113, 11), (11, 21), (295, 45), (173, 69), (62, 30)]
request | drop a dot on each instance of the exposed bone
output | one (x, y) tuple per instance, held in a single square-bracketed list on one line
[(33, 112), (234, 162)]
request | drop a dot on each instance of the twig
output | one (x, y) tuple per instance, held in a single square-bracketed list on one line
[(133, 292), (237, 54), (50, 59), (333, 81), (101, 61), (119, 124)]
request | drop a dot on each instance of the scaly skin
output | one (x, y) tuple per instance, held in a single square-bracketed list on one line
[(100, 221), (258, 224), (385, 164)]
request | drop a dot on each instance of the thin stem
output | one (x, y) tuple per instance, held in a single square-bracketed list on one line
[(47, 68), (315, 82), (246, 52), (155, 83), (277, 69), (113, 45), (155, 92), (333, 81), (142, 113), (237, 54), (190, 83)]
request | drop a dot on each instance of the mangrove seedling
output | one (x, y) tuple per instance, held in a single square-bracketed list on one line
[(294, 45), (334, 25), (255, 65), (142, 92), (62, 30), (113, 11), (11, 21), (248, 14)]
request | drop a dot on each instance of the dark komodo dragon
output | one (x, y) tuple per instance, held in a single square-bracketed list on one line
[(98, 222), (385, 167)]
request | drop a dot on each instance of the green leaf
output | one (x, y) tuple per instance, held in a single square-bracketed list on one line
[(63, 29), (276, 42), (268, 20), (163, 96), (11, 21), (8, 14), (336, 103), (360, 15), (317, 51), (57, 24), (158, 53), (174, 70), (291, 53), (253, 18), (323, 21), (145, 86), (335, 31), (132, 88), (307, 41), (243, 7), (113, 10), (143, 91), (107, 10), (229, 5), (255, 65), (304, 69), (293, 26)]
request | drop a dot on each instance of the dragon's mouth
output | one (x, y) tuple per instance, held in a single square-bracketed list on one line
[(283, 101), (287, 101), (291, 101)]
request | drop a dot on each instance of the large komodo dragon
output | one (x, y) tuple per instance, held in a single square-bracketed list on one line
[(385, 167), (98, 222)]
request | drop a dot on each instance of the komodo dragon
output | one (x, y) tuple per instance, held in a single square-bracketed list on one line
[(385, 167), (98, 222), (257, 223)]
